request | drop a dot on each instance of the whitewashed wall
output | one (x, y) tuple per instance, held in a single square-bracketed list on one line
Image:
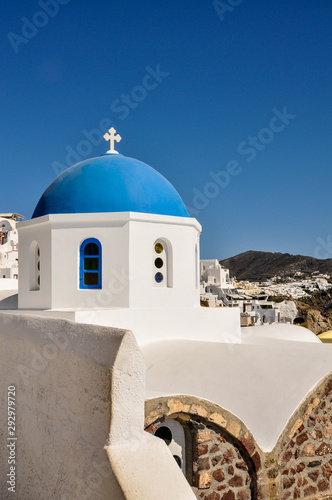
[(127, 241)]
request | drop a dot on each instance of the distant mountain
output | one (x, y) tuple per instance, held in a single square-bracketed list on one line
[(256, 266)]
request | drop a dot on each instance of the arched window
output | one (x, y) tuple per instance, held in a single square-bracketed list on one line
[(196, 266), (34, 266), (162, 264), (90, 264), (173, 434)]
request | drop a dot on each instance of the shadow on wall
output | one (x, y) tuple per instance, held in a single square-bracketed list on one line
[(9, 303)]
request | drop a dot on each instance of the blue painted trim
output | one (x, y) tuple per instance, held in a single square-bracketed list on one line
[(83, 272)]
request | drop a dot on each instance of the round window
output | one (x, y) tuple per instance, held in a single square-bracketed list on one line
[(158, 248), (159, 277), (164, 433), (159, 262)]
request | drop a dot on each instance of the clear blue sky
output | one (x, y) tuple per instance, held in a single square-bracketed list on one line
[(221, 79)]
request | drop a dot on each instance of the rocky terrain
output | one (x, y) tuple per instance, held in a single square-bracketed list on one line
[(259, 266), (316, 311)]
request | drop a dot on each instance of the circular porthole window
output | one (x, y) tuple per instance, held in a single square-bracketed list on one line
[(165, 434), (158, 248), (159, 277), (159, 262)]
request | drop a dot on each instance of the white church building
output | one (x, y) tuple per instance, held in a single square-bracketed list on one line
[(111, 242), (126, 387)]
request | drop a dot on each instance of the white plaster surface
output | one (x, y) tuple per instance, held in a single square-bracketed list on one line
[(79, 388), (127, 241), (62, 374), (8, 284), (198, 323), (261, 383), (278, 331), (149, 472), (5, 293), (288, 310), (148, 325)]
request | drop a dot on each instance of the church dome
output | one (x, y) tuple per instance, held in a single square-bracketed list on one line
[(110, 183)]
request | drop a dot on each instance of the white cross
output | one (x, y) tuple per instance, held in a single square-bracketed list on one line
[(110, 136)]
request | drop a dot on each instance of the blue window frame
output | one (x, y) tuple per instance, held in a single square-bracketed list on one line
[(90, 264)]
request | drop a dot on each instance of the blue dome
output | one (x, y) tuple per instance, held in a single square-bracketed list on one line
[(110, 183)]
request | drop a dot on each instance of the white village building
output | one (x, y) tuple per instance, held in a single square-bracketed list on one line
[(126, 387), (214, 282), (217, 290), (9, 251), (215, 274)]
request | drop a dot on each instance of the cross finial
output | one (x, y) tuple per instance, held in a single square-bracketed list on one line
[(110, 136)]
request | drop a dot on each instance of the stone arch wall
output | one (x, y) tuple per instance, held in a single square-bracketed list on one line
[(304, 451), (224, 462)]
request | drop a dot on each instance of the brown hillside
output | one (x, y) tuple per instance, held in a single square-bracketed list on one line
[(256, 266)]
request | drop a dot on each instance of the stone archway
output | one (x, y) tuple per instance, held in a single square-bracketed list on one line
[(304, 451), (223, 460)]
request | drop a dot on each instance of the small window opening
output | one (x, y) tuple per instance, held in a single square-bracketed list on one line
[(90, 264), (162, 264), (173, 434), (34, 266), (165, 434)]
